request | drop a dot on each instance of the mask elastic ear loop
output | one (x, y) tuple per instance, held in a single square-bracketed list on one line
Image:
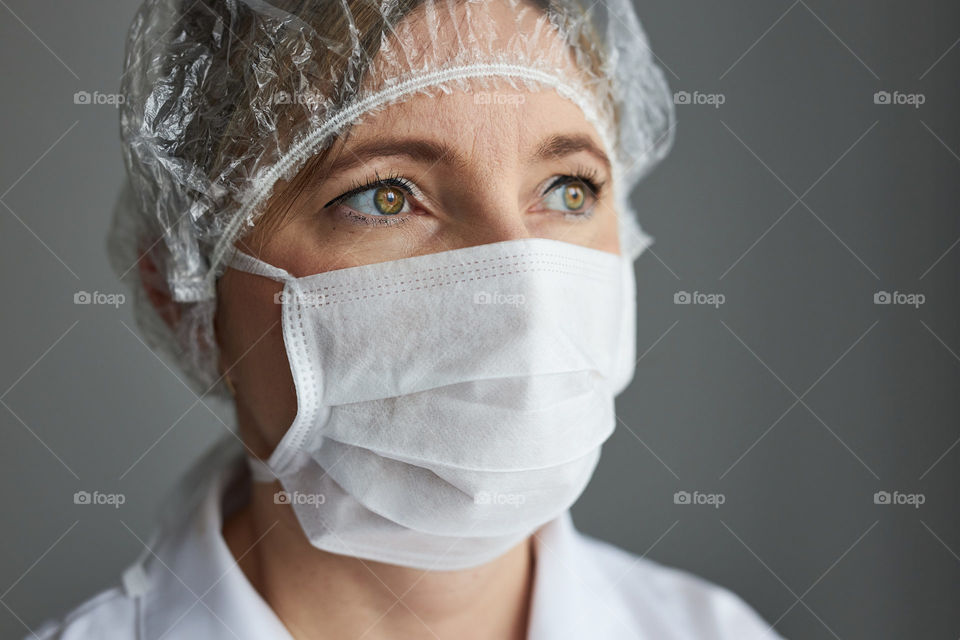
[(260, 471), (247, 263)]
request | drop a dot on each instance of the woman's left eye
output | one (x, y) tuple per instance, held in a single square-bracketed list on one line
[(569, 195), (380, 201)]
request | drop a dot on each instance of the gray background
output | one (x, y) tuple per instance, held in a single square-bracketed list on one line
[(797, 399)]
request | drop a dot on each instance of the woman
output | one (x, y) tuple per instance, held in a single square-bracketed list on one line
[(398, 237)]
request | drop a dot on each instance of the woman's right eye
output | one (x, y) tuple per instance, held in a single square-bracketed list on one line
[(380, 201)]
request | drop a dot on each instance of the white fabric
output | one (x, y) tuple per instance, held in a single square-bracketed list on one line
[(450, 403), (583, 588)]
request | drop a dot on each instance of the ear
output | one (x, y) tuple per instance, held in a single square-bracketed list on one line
[(155, 286)]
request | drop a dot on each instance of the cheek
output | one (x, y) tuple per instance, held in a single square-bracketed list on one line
[(608, 228), (601, 232), (611, 238), (252, 349)]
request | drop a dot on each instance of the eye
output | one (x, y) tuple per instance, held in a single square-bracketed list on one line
[(569, 194), (379, 201)]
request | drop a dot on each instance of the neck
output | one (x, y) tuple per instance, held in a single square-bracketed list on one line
[(320, 595)]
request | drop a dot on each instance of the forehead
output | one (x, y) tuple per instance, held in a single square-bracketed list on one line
[(497, 121), (498, 62)]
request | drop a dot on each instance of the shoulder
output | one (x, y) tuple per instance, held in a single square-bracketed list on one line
[(109, 615), (672, 601), (185, 554)]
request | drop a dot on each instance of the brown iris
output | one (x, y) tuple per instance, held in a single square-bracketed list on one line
[(388, 200), (574, 195)]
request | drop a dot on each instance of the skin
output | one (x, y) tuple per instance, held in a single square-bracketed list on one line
[(486, 186)]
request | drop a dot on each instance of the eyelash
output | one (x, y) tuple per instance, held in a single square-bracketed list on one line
[(391, 180), (587, 175)]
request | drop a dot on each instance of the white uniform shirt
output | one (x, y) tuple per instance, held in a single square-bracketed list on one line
[(583, 588)]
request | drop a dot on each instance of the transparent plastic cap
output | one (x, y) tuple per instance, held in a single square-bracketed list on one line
[(223, 99)]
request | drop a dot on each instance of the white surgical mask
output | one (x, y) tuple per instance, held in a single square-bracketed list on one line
[(449, 404)]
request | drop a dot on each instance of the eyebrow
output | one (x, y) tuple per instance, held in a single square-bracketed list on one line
[(432, 152), (558, 146)]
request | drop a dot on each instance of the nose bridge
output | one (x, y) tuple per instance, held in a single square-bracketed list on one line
[(495, 212), (497, 220), (495, 216)]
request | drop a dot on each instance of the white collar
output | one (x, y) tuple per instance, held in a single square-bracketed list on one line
[(191, 586)]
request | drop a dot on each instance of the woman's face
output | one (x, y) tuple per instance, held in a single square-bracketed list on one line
[(426, 175)]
